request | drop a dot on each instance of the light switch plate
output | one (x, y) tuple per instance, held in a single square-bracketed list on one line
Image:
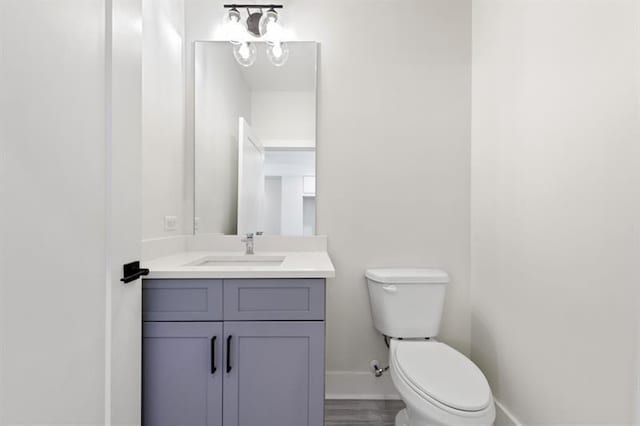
[(170, 223)]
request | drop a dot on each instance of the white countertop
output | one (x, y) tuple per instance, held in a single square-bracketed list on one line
[(302, 264)]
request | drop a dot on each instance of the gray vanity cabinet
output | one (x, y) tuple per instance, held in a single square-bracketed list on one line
[(276, 375), (249, 352), (182, 380)]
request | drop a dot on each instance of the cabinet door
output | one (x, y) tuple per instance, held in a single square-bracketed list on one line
[(182, 374), (274, 373)]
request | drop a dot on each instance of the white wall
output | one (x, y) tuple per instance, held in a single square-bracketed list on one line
[(309, 215), (52, 214), (284, 118), (289, 163), (272, 204), (555, 206), (223, 96), (163, 110), (393, 152), (291, 211)]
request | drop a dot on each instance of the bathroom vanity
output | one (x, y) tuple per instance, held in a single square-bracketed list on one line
[(234, 340), (229, 337)]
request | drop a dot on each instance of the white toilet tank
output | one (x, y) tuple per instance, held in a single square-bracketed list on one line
[(407, 303)]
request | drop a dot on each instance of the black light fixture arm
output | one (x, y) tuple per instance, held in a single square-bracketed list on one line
[(253, 6)]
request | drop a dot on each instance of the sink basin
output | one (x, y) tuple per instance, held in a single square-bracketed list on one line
[(246, 260)]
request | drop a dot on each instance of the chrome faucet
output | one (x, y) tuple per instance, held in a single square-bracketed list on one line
[(248, 240)]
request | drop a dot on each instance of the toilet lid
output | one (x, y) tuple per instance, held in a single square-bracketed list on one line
[(444, 374)]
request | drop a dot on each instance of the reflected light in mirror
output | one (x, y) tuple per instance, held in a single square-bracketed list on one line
[(278, 53), (245, 53)]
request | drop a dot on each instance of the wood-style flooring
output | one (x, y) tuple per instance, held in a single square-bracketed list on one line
[(361, 412)]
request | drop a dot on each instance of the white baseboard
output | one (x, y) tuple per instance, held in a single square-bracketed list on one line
[(364, 385), (359, 385), (504, 417)]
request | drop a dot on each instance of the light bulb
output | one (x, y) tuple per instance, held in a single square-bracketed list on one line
[(233, 15), (234, 28), (278, 53), (267, 21), (245, 53)]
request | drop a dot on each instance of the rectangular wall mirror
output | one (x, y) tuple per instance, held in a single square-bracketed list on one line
[(255, 141)]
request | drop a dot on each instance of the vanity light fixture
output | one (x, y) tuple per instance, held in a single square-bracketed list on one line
[(267, 20), (234, 27), (260, 25)]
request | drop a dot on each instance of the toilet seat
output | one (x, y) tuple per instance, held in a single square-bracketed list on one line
[(440, 374)]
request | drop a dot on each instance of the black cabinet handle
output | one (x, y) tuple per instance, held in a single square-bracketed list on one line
[(229, 353), (213, 355)]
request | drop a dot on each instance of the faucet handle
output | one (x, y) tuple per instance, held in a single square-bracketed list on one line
[(249, 242)]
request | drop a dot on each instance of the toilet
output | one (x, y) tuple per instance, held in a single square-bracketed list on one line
[(439, 385)]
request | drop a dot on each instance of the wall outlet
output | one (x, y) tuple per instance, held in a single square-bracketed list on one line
[(170, 223), (196, 223)]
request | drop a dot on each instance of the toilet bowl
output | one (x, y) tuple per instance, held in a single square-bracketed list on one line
[(439, 385)]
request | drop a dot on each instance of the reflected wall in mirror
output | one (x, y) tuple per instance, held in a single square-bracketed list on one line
[(255, 142)]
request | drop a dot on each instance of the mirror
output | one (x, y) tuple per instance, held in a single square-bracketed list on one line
[(255, 141)]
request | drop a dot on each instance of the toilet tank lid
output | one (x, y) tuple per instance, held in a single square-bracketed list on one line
[(407, 276)]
